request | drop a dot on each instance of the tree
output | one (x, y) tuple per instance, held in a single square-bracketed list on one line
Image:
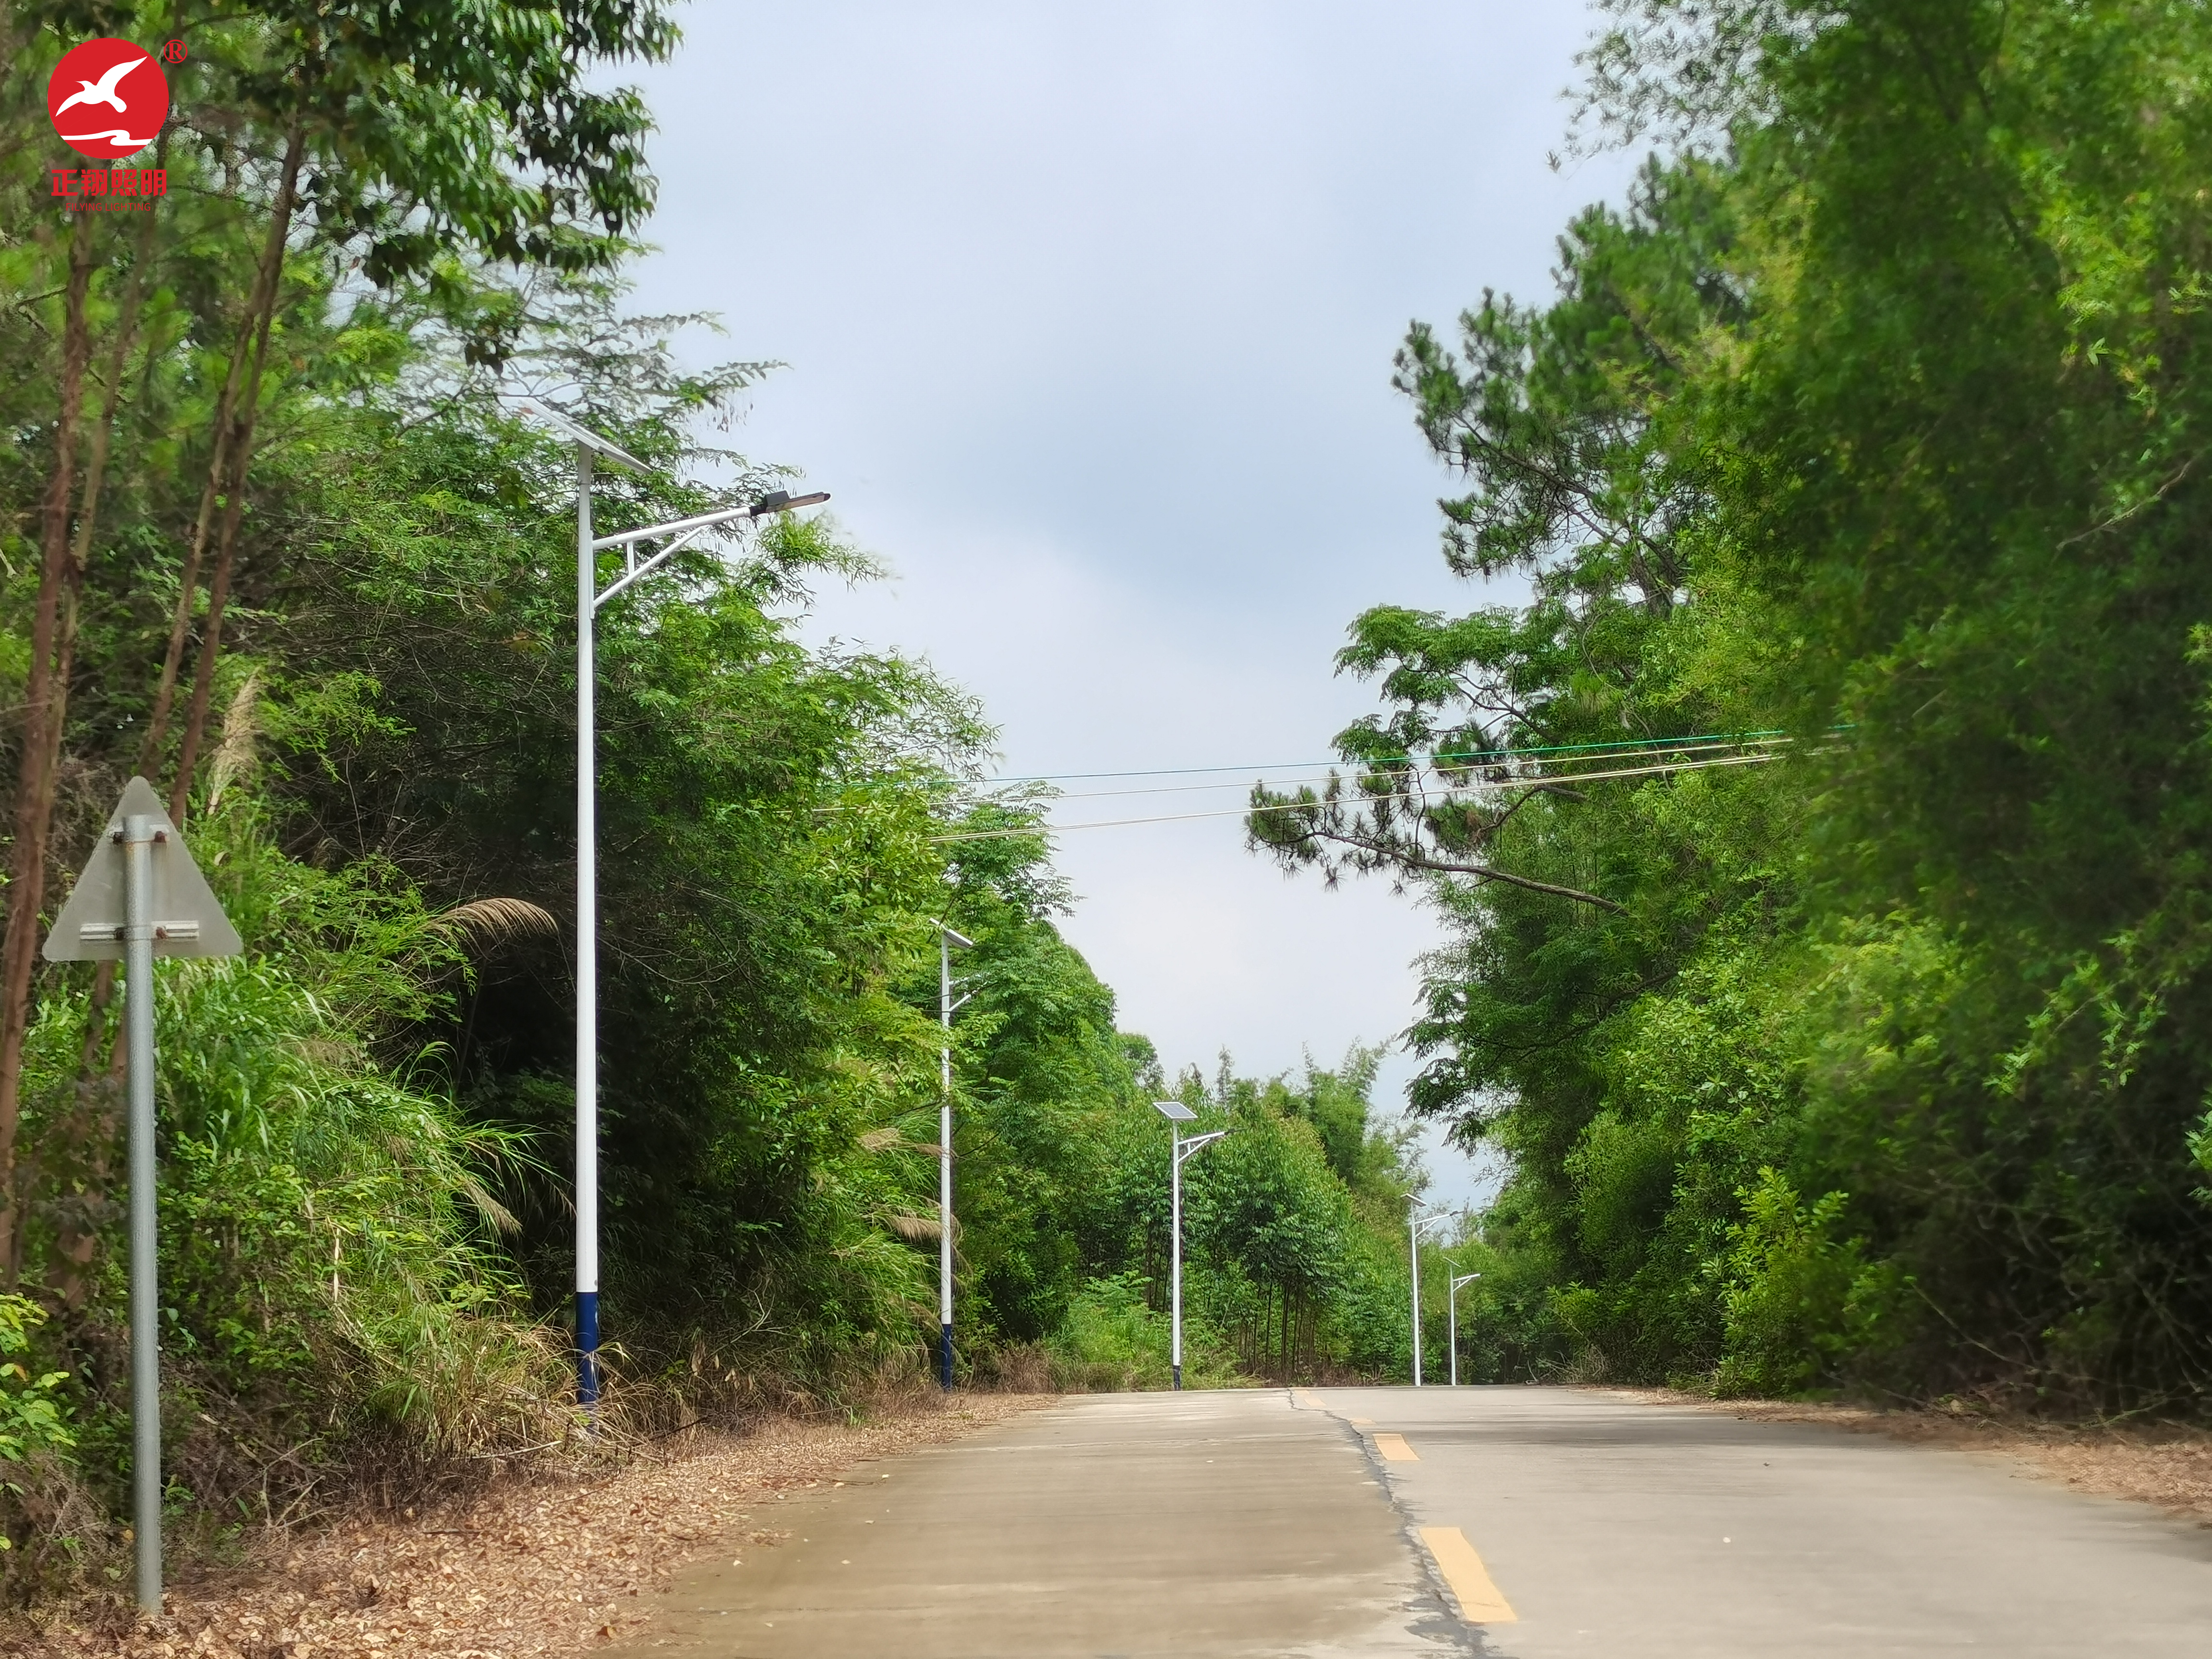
[(1818, 841)]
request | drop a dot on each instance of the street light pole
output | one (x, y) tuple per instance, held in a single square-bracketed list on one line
[(1452, 1322), (946, 939), (637, 564), (1178, 1114), (587, 950), (1415, 1221)]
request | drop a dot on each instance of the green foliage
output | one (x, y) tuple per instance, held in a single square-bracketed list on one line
[(1112, 1339), (33, 1415), (1789, 1284), (1863, 435)]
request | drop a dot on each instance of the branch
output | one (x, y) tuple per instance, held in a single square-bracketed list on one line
[(1485, 872), (1414, 859)]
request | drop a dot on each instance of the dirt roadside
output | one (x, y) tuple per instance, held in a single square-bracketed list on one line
[(527, 1569), (2165, 1465)]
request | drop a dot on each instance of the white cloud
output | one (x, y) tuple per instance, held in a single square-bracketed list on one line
[(1090, 316)]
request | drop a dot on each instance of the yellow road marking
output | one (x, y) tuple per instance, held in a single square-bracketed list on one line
[(1363, 1422), (1394, 1449), (1479, 1601), (1302, 1397)]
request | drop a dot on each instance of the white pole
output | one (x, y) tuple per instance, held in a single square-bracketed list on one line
[(587, 960), (1413, 1234), (1452, 1326), (1175, 1291), (944, 1161), (1458, 1282), (145, 1332)]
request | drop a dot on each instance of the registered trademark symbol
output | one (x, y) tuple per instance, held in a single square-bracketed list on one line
[(174, 52)]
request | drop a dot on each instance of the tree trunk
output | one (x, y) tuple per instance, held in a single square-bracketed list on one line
[(41, 718), (92, 1129), (224, 463)]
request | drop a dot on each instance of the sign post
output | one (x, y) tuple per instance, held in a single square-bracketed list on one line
[(140, 897)]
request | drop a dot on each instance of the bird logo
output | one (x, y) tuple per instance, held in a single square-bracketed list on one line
[(108, 99)]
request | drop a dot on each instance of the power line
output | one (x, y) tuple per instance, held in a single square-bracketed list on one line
[(1453, 758), (1408, 794), (1683, 747), (1563, 756)]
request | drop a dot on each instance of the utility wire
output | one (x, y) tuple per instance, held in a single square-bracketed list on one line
[(1408, 794), (1673, 746), (1344, 767), (1453, 758)]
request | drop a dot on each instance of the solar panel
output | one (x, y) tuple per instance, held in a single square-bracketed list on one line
[(1175, 1111)]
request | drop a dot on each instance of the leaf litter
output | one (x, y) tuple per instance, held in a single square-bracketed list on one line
[(532, 1566)]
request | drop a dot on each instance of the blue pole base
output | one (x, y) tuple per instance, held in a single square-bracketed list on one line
[(588, 1349), (945, 1357)]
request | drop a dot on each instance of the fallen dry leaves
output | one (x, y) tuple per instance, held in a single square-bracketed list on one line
[(552, 1566), (2165, 1465)]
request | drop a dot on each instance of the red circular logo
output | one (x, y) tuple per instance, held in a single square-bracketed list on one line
[(108, 99)]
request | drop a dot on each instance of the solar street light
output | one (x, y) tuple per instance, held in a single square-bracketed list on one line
[(946, 1002), (1453, 1320), (1178, 1114), (638, 562), (1417, 1221)]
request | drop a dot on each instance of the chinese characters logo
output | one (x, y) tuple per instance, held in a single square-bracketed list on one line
[(108, 99)]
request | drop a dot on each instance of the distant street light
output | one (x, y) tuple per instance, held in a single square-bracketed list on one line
[(675, 535), (946, 939), (1178, 1114), (1452, 1320), (1415, 1222)]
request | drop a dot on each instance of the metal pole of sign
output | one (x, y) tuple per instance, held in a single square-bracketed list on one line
[(140, 897), (138, 836)]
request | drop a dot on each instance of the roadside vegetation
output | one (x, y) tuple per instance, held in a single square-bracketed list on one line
[(1818, 836), (1821, 838), (283, 539)]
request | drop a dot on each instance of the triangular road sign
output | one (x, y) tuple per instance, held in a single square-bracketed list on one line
[(187, 920)]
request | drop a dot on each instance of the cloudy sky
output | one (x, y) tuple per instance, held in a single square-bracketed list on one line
[(1088, 316)]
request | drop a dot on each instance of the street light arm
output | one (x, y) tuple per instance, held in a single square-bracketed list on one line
[(708, 520), (638, 571), (1186, 1147)]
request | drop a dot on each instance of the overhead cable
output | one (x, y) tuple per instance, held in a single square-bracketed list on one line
[(1530, 782), (1453, 758)]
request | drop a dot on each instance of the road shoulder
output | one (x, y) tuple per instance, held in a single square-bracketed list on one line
[(527, 1568), (2168, 1466)]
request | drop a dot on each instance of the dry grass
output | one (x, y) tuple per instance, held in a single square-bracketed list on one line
[(2163, 1464), (549, 1565)]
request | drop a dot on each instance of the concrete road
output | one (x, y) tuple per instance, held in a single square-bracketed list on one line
[(1529, 1522), (1200, 1523), (1611, 1527)]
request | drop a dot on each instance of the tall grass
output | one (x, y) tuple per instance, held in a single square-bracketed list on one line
[(1113, 1341), (336, 1304)]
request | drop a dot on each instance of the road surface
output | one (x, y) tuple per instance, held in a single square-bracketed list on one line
[(1532, 1524)]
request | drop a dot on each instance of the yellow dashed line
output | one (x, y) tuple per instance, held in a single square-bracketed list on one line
[(1304, 1399), (1394, 1449), (1363, 1422), (1479, 1601)]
